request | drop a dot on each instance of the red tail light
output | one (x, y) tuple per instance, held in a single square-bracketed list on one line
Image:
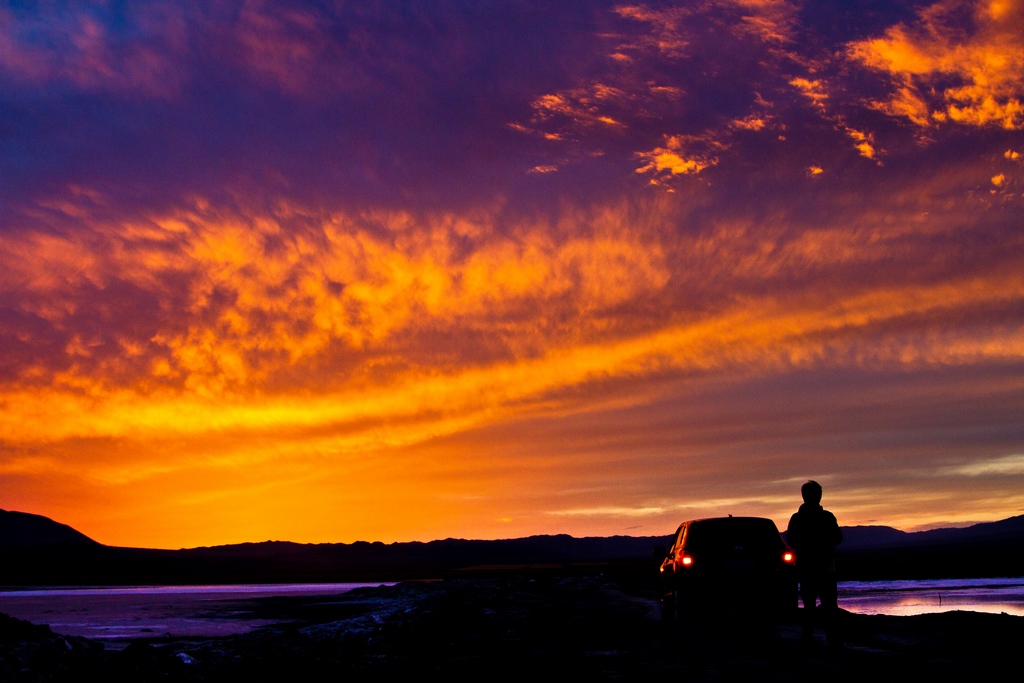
[(788, 557), (686, 560)]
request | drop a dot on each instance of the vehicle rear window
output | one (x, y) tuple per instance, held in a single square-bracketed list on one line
[(711, 535)]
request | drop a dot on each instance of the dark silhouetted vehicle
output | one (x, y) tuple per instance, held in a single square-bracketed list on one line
[(727, 561)]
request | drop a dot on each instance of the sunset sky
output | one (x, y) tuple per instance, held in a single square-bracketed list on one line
[(397, 271)]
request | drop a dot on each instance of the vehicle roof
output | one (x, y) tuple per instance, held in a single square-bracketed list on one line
[(709, 519), (720, 519)]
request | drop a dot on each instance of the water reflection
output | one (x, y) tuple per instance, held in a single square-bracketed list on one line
[(905, 598), (116, 615)]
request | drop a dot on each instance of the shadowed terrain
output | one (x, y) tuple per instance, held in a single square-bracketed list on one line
[(540, 606), (588, 628)]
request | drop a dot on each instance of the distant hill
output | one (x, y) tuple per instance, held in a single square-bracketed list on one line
[(38, 551), (21, 529), (1006, 529), (881, 537), (861, 537), (985, 549)]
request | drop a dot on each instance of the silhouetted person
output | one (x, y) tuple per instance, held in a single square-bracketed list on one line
[(814, 534)]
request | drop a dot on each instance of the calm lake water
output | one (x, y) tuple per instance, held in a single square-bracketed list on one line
[(904, 598), (120, 614), (116, 615)]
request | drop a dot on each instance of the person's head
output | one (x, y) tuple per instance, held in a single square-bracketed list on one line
[(811, 491)]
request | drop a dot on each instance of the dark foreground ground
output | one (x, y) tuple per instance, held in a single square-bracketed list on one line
[(516, 628)]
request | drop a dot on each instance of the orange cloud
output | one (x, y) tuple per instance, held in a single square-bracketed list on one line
[(770, 20), (292, 364), (987, 59), (673, 160), (814, 90), (259, 299), (863, 143), (231, 442), (751, 122), (760, 335), (666, 36), (253, 311)]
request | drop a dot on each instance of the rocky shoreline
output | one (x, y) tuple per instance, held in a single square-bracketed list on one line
[(583, 628)]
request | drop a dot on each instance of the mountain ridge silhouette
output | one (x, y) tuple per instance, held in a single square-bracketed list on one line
[(41, 551)]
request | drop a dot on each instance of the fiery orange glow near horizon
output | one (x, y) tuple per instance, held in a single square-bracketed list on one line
[(295, 272)]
